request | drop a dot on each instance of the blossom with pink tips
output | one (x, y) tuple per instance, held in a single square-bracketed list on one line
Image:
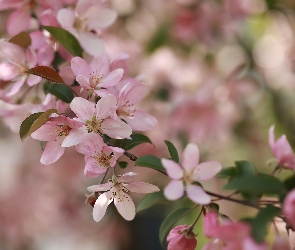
[(99, 156), (60, 132), (118, 190), (97, 117), (184, 176), (181, 237), (281, 150), (129, 96), (20, 60), (289, 208), (96, 76), (88, 18)]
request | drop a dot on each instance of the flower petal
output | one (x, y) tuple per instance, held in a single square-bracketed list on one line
[(197, 194), (172, 168), (93, 168), (100, 64), (18, 21), (52, 152), (101, 205), (174, 190), (190, 158), (142, 187), (106, 107), (82, 108), (125, 205), (141, 121), (116, 129), (101, 187), (47, 132), (127, 177), (91, 43), (206, 170), (74, 137), (80, 67)]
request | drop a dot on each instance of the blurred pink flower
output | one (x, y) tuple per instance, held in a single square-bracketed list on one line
[(60, 132), (99, 156), (84, 22), (281, 150), (184, 176), (96, 117), (96, 76), (289, 208), (118, 191), (20, 61), (281, 243), (181, 238)]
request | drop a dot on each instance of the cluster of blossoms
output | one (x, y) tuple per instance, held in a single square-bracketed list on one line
[(104, 113)]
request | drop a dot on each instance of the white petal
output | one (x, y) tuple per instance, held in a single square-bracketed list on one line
[(91, 43), (206, 170), (127, 177), (106, 106), (125, 206), (142, 187), (174, 190), (84, 109), (190, 158), (197, 194), (173, 169), (101, 187), (101, 205)]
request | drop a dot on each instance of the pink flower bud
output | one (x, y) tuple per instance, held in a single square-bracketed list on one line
[(289, 208), (180, 238)]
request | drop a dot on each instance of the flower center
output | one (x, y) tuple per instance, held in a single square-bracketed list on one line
[(119, 191), (103, 159), (93, 125), (125, 110), (64, 130), (95, 79), (80, 25)]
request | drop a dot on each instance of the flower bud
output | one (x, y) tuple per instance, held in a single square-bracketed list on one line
[(181, 237)]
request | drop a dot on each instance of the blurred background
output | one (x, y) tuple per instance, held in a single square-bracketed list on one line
[(220, 73)]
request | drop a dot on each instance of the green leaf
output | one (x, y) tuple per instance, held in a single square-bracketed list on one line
[(169, 222), (66, 39), (123, 164), (289, 183), (261, 221), (227, 172), (136, 139), (257, 185), (33, 122), (149, 161), (172, 151), (244, 168), (150, 200), (62, 92)]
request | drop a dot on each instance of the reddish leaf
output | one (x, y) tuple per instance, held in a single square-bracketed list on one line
[(22, 39), (46, 73)]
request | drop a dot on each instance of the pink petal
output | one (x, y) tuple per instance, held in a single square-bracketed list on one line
[(66, 18), (83, 81), (112, 78), (206, 170), (127, 177), (174, 190), (91, 43), (91, 144), (31, 57), (116, 129), (18, 21), (100, 64), (52, 152), (84, 109), (136, 93), (16, 86), (45, 56), (141, 121), (125, 206), (99, 18), (80, 67), (14, 53), (93, 168), (101, 205), (106, 107), (101, 187), (142, 187), (74, 137), (190, 158), (197, 194), (172, 168), (48, 18), (8, 71), (47, 132), (210, 224), (33, 80)]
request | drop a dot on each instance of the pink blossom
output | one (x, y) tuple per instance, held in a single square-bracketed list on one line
[(99, 156), (184, 176), (181, 237), (281, 243), (97, 118), (88, 17), (60, 132), (281, 150), (20, 60), (129, 96), (289, 208), (97, 74), (118, 191)]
